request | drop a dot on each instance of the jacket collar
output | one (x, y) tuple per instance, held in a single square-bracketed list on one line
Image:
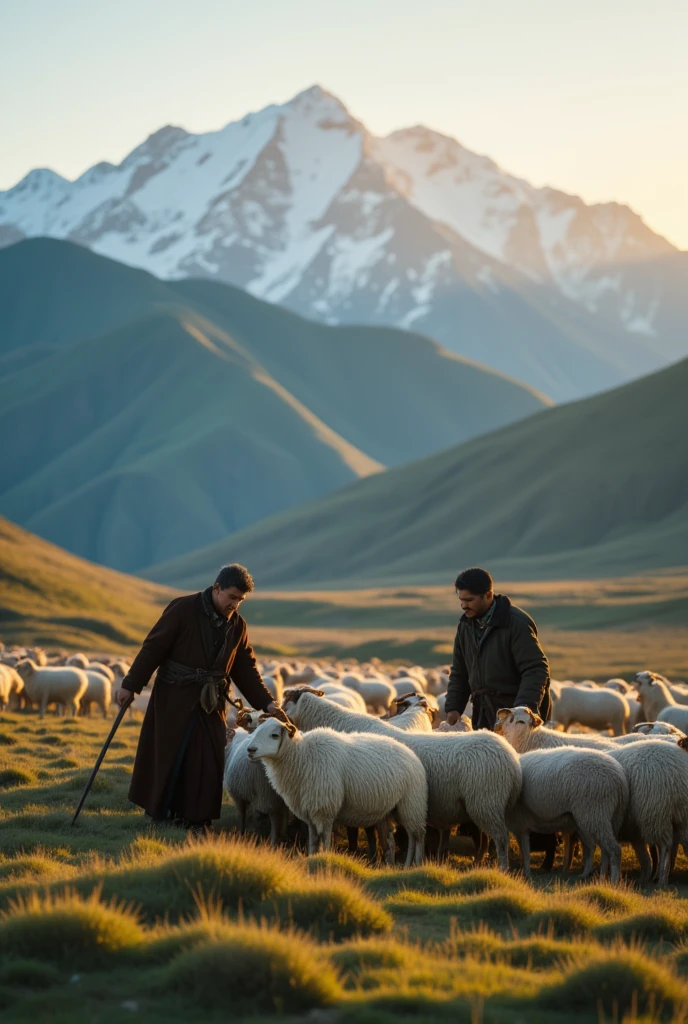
[(500, 616)]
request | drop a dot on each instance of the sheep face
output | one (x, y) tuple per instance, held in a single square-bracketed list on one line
[(657, 729), (290, 698), (268, 739), (25, 668), (515, 725), (647, 678)]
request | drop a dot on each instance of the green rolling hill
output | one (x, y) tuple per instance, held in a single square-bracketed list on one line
[(149, 418), (52, 598), (597, 487)]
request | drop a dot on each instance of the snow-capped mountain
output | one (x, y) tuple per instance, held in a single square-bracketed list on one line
[(301, 206)]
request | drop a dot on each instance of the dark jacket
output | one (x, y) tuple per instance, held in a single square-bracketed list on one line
[(507, 668), (174, 722)]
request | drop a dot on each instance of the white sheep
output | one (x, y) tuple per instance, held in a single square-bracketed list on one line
[(618, 684), (77, 660), (359, 780), (679, 693), (525, 732), (247, 784), (471, 776), (98, 692), (572, 790), (341, 695), (656, 729), (378, 694), (413, 712), (597, 709), (657, 774), (47, 685), (658, 702), (103, 670)]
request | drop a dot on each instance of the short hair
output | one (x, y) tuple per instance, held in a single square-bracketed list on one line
[(235, 575), (478, 581)]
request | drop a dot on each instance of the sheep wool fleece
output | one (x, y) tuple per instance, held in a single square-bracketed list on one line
[(180, 757)]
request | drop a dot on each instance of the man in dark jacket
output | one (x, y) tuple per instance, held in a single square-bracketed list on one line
[(498, 661), (199, 644)]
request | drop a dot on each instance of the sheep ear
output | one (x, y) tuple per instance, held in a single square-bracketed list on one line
[(503, 713)]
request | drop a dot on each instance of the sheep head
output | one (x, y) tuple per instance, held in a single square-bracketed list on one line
[(268, 738), (292, 695), (516, 724), (26, 668)]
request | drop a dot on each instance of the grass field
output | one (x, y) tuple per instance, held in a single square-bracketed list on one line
[(111, 921)]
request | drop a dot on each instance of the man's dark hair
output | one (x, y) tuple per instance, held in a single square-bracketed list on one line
[(235, 576), (478, 581)]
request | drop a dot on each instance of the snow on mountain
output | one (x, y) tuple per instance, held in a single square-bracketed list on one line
[(301, 206)]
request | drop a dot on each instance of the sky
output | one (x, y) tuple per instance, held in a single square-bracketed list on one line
[(590, 98)]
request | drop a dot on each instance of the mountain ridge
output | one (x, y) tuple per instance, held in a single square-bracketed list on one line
[(299, 204)]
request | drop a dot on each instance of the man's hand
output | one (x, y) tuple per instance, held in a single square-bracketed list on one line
[(453, 717), (275, 710), (122, 696)]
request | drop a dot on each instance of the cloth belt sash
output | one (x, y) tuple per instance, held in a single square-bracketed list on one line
[(214, 683)]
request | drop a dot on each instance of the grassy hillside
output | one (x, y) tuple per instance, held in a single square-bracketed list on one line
[(149, 418), (598, 487), (49, 597)]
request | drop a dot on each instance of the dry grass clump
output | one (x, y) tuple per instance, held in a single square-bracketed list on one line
[(607, 898), (340, 864), (618, 982), (559, 918), (359, 955), (497, 909), (329, 907), (237, 874), (11, 777), (254, 970), (68, 930), (33, 866), (6, 740), (662, 924)]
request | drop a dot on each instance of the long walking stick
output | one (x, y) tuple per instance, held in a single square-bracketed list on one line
[(102, 754)]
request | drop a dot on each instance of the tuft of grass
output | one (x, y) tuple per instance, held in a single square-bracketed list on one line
[(492, 908), (619, 982), (33, 866), (340, 864), (278, 973), (62, 762), (656, 925), (330, 907), (10, 777), (359, 955), (68, 930), (239, 875), (607, 898), (6, 740), (561, 919), (22, 973)]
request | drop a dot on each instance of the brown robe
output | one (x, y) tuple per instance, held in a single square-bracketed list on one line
[(181, 635)]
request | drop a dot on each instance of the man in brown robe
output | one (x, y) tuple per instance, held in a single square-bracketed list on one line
[(199, 644)]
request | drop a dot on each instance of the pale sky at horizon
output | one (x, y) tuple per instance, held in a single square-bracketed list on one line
[(591, 100)]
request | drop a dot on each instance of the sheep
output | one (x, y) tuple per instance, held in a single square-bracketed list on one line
[(37, 655), (98, 691), (598, 709), (657, 774), (656, 729), (378, 694), (471, 777), (65, 685), (358, 779), (413, 713), (103, 670), (11, 687), (618, 684), (525, 732), (658, 702), (77, 661), (247, 784), (571, 790), (462, 725), (679, 693), (341, 695)]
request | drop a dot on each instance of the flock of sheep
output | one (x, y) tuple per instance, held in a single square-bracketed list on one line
[(368, 747)]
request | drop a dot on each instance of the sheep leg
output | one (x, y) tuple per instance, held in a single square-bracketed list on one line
[(664, 864), (588, 844), (275, 828), (372, 843), (44, 705), (570, 840), (352, 839), (313, 839), (524, 846), (386, 835), (418, 848), (647, 866), (242, 807), (443, 845), (550, 843)]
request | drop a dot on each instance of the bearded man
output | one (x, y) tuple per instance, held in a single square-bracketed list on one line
[(199, 645), (498, 661)]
